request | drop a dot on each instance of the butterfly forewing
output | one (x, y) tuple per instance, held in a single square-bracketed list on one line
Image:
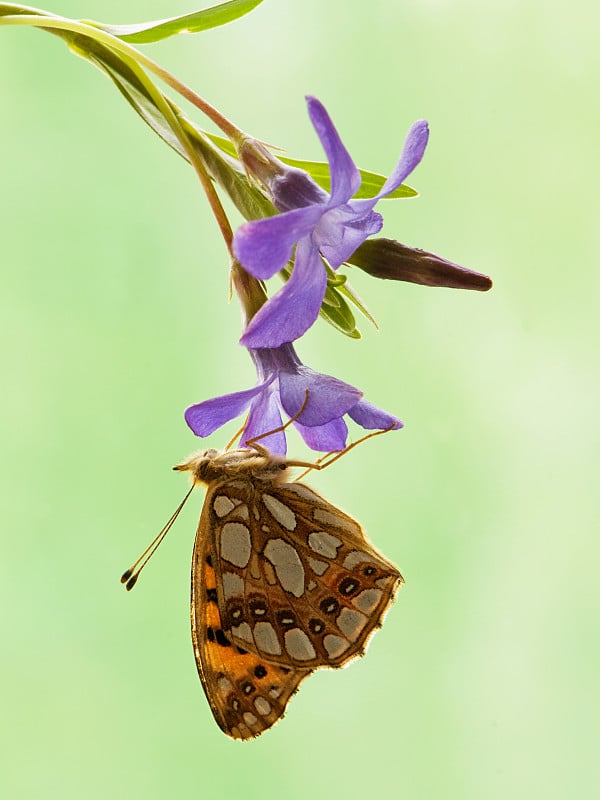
[(298, 582), (247, 695)]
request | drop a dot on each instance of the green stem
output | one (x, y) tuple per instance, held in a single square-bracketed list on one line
[(249, 290)]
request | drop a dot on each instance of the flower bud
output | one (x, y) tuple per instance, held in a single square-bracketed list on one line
[(391, 260), (288, 187), (259, 162)]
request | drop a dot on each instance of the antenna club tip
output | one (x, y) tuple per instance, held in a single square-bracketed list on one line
[(131, 582), (126, 575)]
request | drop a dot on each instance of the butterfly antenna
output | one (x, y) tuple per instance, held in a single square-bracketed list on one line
[(131, 575)]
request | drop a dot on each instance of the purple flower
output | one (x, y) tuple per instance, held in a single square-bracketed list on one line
[(318, 224), (283, 381)]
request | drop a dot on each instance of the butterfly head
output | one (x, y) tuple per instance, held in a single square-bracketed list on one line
[(209, 465)]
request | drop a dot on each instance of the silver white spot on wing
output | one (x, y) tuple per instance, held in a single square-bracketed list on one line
[(262, 705), (249, 718), (243, 631), (223, 505), (298, 645), (236, 545), (233, 585), (356, 557), (335, 645), (351, 623), (279, 511), (241, 512), (304, 492), (336, 520), (224, 685), (318, 567), (324, 544), (288, 567), (266, 639), (368, 600)]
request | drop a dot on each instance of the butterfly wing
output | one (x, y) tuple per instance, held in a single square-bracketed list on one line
[(298, 583), (246, 693)]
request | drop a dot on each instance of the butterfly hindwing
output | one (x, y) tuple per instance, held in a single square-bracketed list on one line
[(247, 695)]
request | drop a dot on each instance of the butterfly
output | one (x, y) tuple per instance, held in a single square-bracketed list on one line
[(283, 583)]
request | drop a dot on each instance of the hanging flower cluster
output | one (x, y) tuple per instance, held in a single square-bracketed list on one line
[(303, 221), (313, 228)]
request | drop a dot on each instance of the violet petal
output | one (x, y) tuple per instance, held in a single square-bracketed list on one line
[(204, 418), (296, 189), (264, 417), (328, 397), (345, 177), (338, 239), (370, 417), (412, 153), (264, 246), (325, 438), (291, 312)]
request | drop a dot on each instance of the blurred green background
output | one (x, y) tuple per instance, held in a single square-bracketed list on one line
[(483, 682)]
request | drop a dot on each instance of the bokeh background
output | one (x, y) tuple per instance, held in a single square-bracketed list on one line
[(483, 682)]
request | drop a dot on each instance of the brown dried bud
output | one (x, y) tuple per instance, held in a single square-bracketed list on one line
[(391, 260)]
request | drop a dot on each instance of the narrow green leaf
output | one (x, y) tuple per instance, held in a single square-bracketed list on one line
[(223, 144), (331, 298), (349, 293), (336, 279), (146, 32), (371, 181), (319, 172), (341, 318), (334, 309)]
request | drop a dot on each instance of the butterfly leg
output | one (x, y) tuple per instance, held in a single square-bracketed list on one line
[(322, 463), (263, 450)]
